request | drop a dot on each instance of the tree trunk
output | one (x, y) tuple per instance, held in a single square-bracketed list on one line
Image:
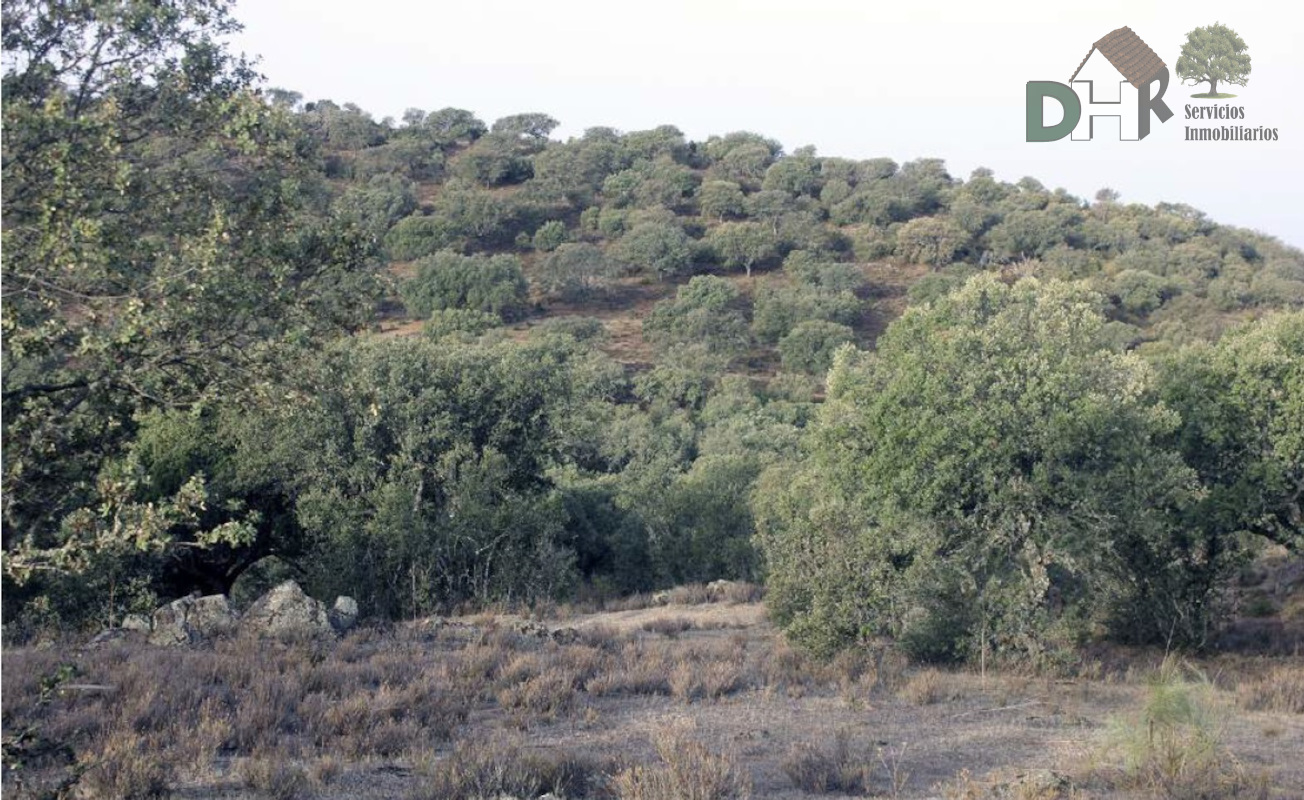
[(1213, 86)]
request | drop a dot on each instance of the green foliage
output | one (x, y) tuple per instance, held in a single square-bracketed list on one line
[(574, 271), (810, 345), (1242, 407), (418, 469), (459, 322), (810, 268), (781, 308), (1012, 479), (450, 126), (377, 205), (659, 248), (419, 236), (743, 244), (934, 241), (1214, 53), (492, 284), (160, 251), (706, 311), (178, 250), (549, 236), (720, 199)]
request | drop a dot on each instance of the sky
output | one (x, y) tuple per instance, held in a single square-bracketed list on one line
[(853, 78)]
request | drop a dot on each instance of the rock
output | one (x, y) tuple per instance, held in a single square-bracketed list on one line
[(344, 614), (287, 611), (111, 635), (191, 620), (136, 622)]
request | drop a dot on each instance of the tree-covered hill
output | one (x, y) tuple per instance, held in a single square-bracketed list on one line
[(438, 361), (591, 217)]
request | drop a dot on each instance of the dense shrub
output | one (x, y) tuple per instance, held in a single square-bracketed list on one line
[(419, 236), (810, 345), (781, 308), (706, 311), (492, 284)]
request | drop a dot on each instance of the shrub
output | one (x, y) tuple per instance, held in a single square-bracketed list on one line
[(274, 777), (809, 347), (1173, 746), (500, 768), (688, 771), (549, 236), (812, 269), (934, 241), (492, 284), (573, 271), (417, 237), (707, 312), (659, 248), (448, 321), (836, 770), (779, 309)]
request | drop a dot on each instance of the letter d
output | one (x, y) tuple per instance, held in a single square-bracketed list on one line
[(1037, 130)]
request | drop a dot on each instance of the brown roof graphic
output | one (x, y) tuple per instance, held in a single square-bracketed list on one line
[(1129, 55)]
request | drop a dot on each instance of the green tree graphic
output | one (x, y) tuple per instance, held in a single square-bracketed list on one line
[(1214, 53)]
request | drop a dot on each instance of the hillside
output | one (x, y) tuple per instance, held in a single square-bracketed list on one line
[(738, 206)]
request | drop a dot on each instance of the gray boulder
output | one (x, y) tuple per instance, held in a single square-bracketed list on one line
[(286, 611), (344, 614), (136, 622), (190, 620)]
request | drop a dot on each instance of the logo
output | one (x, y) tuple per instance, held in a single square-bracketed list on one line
[(1214, 54), (1116, 79)]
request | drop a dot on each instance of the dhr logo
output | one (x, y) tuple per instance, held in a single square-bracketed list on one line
[(1096, 88)]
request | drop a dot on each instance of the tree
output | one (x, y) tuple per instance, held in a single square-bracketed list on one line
[(706, 311), (573, 271), (1214, 53), (534, 127), (930, 240), (419, 469), (810, 345), (779, 309), (660, 248), (1009, 481), (720, 199), (492, 284), (1242, 407), (160, 252), (450, 126), (743, 244)]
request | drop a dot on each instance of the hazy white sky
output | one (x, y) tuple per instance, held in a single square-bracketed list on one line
[(856, 79)]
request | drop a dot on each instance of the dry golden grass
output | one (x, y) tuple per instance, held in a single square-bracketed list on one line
[(452, 707), (688, 770), (1280, 689)]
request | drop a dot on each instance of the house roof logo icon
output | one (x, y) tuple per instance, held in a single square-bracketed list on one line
[(1092, 91), (1132, 57)]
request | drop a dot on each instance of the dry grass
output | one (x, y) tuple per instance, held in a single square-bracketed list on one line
[(504, 768), (689, 770), (668, 626), (835, 769), (1280, 690), (493, 704), (929, 686)]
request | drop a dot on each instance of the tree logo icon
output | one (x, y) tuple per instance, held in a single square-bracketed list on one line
[(1214, 54)]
